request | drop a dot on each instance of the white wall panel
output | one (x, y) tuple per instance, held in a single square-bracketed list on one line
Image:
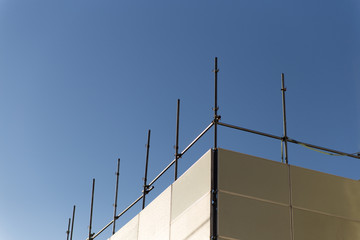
[(249, 219), (191, 186), (129, 231), (154, 220), (194, 222), (325, 193)]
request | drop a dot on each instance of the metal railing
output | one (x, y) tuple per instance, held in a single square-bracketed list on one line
[(147, 188)]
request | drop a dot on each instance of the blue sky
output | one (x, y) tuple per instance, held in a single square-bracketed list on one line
[(81, 82)]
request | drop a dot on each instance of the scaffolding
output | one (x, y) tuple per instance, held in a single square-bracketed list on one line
[(147, 187)]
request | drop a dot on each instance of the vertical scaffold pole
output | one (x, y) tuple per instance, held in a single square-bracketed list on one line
[(72, 223), (177, 139), (145, 189), (91, 209), (116, 194), (214, 166), (68, 230), (283, 90), (216, 108)]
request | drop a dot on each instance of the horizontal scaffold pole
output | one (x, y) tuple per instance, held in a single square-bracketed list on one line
[(289, 140), (153, 181), (182, 153)]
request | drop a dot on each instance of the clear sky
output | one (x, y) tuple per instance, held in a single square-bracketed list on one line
[(81, 82)]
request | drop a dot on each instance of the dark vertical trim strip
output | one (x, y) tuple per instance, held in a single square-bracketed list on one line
[(214, 195), (291, 209)]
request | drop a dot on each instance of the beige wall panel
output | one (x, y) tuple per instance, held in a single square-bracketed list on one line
[(191, 186), (316, 226), (326, 193), (253, 176), (244, 218), (223, 238), (129, 231), (194, 222), (154, 220)]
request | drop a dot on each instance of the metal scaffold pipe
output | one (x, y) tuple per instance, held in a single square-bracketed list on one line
[(285, 138), (91, 209), (216, 108), (116, 193), (72, 223), (290, 140), (177, 139), (146, 187), (68, 230)]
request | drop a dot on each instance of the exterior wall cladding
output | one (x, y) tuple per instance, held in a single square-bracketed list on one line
[(258, 199)]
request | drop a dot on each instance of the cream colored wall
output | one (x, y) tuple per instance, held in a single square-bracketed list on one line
[(263, 199), (253, 198), (258, 199), (325, 206)]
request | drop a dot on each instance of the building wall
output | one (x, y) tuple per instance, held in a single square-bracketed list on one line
[(263, 199), (182, 211), (258, 199)]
